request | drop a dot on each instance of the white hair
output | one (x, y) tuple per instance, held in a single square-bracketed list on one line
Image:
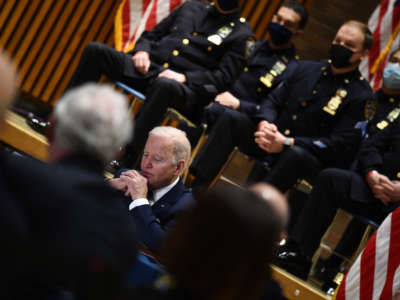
[(93, 119), (177, 139)]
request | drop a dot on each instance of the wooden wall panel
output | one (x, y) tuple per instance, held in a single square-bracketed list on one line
[(46, 39)]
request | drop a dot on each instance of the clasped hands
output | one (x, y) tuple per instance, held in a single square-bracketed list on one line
[(383, 188), (268, 138), (141, 61), (132, 183)]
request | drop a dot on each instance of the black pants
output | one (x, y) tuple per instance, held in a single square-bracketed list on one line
[(333, 189), (234, 128), (99, 59)]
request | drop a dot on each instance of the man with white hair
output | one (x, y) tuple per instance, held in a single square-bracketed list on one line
[(83, 238), (156, 193), (13, 228)]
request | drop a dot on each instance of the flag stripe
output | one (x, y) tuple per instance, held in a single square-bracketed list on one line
[(381, 258), (135, 16)]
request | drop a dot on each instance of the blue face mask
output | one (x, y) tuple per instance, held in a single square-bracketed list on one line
[(279, 34), (391, 76)]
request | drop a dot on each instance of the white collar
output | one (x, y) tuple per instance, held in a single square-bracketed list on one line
[(158, 193)]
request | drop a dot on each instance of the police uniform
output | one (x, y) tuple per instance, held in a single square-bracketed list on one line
[(265, 69), (317, 108), (338, 188)]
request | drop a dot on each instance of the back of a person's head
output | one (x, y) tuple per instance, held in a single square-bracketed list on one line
[(92, 119), (8, 83), (221, 248)]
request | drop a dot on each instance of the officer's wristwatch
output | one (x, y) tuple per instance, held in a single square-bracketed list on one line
[(286, 143)]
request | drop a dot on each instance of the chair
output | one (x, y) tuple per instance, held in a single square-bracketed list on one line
[(172, 118)]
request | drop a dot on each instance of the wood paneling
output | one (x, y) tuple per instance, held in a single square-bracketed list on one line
[(46, 39)]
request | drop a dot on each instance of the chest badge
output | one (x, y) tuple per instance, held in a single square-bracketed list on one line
[(335, 102)]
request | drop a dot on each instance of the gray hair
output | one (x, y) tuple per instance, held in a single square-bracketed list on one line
[(93, 119), (177, 139)]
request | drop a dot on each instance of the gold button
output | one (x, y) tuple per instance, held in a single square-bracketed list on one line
[(175, 28), (304, 103), (329, 61), (166, 65), (242, 20), (175, 53), (325, 73), (398, 175), (185, 41), (287, 132), (294, 117), (246, 69), (208, 6), (314, 92), (323, 68), (209, 48), (346, 81), (361, 78), (259, 89), (195, 33), (391, 100), (232, 24)]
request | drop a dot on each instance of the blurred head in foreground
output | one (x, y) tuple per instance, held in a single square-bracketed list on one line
[(92, 119), (221, 248)]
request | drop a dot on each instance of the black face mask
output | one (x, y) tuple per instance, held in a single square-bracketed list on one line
[(279, 34), (340, 56)]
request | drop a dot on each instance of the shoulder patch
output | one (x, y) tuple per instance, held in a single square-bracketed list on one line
[(250, 46), (370, 108)]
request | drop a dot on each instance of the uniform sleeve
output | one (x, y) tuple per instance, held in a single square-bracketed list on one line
[(272, 104), (340, 146), (228, 70), (370, 155)]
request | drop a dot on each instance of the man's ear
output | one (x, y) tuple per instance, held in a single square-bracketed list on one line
[(364, 54), (180, 166)]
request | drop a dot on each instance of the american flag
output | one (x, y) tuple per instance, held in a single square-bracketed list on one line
[(375, 275), (135, 16), (385, 26)]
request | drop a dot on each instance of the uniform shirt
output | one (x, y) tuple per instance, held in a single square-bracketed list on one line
[(183, 43), (248, 88), (303, 107)]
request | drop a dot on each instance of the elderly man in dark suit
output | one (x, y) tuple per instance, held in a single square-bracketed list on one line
[(156, 194), (13, 227), (83, 238)]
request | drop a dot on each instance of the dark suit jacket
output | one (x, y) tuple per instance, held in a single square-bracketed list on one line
[(82, 235), (14, 236), (153, 222)]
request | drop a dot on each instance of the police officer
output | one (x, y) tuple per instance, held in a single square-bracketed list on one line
[(373, 190), (192, 55), (305, 124), (267, 65), (386, 110)]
